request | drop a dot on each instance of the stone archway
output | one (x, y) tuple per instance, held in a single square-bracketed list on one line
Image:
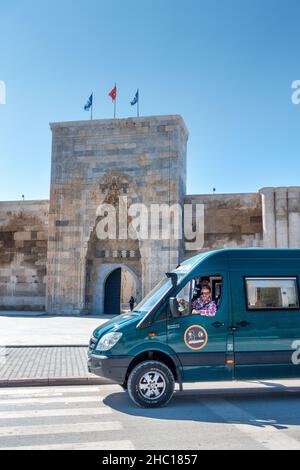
[(113, 283)]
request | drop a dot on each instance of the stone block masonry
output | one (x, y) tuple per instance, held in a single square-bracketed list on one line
[(23, 254), (230, 220)]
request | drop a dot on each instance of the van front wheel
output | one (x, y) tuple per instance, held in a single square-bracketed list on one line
[(151, 384)]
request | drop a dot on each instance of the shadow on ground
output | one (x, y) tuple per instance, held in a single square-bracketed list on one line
[(258, 410)]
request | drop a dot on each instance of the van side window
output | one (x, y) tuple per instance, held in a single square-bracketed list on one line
[(272, 293)]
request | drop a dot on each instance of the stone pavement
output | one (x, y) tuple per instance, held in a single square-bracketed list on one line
[(38, 329), (45, 366), (41, 349)]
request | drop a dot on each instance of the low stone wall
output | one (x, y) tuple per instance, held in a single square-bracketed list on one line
[(23, 254), (230, 220)]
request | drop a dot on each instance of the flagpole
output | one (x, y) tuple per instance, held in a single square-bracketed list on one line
[(115, 103), (138, 104), (92, 107)]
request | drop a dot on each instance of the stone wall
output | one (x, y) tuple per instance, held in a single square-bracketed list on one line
[(230, 220), (23, 254)]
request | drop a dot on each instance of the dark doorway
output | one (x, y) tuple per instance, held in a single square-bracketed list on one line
[(112, 296)]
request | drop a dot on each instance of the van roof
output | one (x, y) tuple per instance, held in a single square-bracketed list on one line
[(244, 253)]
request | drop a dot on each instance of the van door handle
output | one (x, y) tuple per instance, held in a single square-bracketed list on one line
[(218, 324), (243, 324)]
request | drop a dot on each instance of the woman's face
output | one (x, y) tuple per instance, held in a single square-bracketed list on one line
[(205, 294)]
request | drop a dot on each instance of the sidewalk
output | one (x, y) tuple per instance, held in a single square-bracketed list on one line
[(40, 329), (41, 366), (41, 349)]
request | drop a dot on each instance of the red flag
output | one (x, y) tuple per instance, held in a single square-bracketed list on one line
[(113, 93)]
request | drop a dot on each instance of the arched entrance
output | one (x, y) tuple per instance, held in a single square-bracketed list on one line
[(120, 285), (113, 287)]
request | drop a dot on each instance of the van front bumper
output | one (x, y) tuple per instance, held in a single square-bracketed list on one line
[(110, 367)]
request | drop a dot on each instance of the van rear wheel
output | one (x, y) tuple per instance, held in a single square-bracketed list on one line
[(151, 384)]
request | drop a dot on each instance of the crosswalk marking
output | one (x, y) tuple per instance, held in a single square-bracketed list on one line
[(22, 408), (38, 390), (262, 433), (29, 395), (40, 430), (54, 413), (43, 394), (44, 400), (101, 445)]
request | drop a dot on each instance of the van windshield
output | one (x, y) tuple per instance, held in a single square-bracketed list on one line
[(154, 296)]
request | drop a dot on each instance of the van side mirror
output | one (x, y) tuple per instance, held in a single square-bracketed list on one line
[(173, 307)]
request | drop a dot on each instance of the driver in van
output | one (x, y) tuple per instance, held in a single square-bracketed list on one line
[(204, 305), (203, 282)]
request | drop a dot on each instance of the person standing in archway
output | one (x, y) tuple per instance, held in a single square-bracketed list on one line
[(131, 303)]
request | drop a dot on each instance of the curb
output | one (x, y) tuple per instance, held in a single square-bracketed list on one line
[(53, 381)]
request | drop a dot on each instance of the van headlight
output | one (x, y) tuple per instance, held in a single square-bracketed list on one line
[(108, 341)]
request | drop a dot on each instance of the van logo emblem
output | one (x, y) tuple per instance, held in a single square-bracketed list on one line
[(196, 337)]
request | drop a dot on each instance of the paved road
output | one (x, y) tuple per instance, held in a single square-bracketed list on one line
[(102, 417)]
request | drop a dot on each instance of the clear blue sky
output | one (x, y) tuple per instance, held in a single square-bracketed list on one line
[(225, 65)]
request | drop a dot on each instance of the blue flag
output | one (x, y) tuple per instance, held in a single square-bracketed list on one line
[(135, 99), (89, 103)]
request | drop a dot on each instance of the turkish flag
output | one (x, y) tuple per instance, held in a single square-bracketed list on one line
[(113, 93)]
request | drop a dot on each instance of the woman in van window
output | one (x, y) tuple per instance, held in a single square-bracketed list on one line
[(205, 306)]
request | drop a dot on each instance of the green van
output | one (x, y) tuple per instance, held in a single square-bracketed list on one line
[(222, 315)]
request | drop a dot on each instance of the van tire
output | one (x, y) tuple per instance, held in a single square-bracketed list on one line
[(165, 384)]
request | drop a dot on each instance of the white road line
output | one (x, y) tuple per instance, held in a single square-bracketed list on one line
[(53, 429), (3, 399), (53, 413), (38, 390), (43, 400), (261, 432), (101, 445)]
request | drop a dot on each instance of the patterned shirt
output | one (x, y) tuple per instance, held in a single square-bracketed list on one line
[(208, 309)]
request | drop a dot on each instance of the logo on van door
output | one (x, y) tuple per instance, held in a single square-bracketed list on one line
[(196, 337)]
